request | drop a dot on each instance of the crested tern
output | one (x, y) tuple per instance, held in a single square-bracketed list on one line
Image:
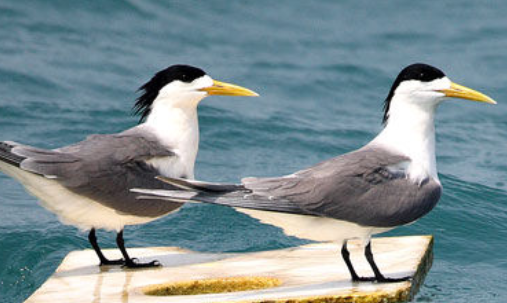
[(87, 184), (390, 182)]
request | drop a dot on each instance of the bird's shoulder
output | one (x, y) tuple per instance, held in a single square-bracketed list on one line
[(365, 162), (131, 144), (347, 170)]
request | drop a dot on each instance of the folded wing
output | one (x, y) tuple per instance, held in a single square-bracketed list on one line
[(368, 187), (103, 168)]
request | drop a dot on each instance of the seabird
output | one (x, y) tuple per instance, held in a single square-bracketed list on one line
[(390, 182), (88, 184)]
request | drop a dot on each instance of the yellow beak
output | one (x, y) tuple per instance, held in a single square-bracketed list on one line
[(227, 89), (459, 91)]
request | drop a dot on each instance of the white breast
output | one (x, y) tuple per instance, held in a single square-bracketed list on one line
[(176, 128), (411, 135), (174, 166)]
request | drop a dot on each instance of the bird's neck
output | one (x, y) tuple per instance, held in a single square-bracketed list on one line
[(177, 127), (410, 130)]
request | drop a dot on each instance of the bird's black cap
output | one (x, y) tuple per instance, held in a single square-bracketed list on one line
[(418, 71), (150, 89)]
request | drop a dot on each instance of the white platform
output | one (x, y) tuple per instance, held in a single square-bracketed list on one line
[(308, 273)]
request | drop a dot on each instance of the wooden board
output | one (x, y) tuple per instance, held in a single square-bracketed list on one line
[(309, 273)]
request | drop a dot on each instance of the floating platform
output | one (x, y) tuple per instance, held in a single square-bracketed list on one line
[(309, 273)]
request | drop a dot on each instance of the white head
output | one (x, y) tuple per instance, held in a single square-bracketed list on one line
[(182, 86), (169, 105), (409, 115), (420, 88)]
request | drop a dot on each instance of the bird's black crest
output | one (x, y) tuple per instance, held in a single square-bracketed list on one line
[(418, 71), (150, 89)]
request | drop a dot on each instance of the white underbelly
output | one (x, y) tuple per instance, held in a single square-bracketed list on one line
[(71, 209), (314, 228)]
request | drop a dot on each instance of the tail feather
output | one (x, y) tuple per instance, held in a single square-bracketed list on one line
[(165, 194), (202, 186), (168, 195), (231, 195), (35, 160), (7, 156)]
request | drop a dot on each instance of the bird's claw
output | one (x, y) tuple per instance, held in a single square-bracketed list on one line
[(131, 264), (392, 280), (363, 279), (380, 279)]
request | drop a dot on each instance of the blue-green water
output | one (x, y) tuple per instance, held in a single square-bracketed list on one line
[(323, 68)]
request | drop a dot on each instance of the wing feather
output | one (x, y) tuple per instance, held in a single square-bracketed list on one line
[(102, 168), (359, 187)]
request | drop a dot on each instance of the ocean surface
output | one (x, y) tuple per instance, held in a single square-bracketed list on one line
[(323, 69)]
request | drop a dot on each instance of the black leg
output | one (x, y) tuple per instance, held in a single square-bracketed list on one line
[(346, 258), (379, 277), (103, 260), (131, 262)]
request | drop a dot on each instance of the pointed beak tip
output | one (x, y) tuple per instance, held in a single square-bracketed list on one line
[(463, 92), (488, 100)]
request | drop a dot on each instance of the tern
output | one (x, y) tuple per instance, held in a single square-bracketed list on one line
[(392, 181), (88, 184)]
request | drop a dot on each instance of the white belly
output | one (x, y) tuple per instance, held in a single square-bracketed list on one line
[(70, 208), (314, 228)]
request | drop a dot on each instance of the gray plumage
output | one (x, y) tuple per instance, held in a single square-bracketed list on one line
[(102, 168), (362, 187), (88, 184)]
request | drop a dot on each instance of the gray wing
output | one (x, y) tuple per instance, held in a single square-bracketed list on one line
[(103, 168), (360, 187)]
